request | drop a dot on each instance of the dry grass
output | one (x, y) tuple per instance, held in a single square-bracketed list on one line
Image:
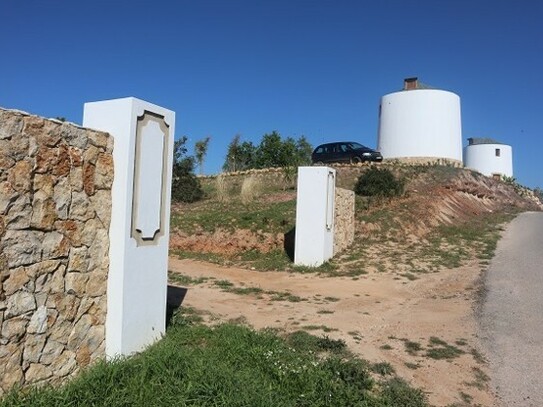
[(250, 189), (221, 188)]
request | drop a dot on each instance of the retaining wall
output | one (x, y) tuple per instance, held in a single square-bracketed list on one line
[(344, 219), (55, 208)]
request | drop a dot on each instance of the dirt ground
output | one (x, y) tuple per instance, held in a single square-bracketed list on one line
[(378, 315)]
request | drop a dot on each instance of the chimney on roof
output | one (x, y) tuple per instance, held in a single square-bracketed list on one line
[(410, 83)]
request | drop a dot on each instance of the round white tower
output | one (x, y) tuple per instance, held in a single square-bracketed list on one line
[(420, 122), (489, 157)]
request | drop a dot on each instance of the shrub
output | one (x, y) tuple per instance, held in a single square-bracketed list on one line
[(379, 183), (185, 186)]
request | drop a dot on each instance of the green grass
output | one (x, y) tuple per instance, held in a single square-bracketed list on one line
[(184, 279), (229, 287), (439, 349), (324, 311), (323, 328), (209, 216), (383, 368), (228, 365), (412, 347)]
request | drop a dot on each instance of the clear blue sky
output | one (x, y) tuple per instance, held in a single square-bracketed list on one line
[(314, 68)]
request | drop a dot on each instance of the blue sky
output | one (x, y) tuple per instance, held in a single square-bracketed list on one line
[(313, 68)]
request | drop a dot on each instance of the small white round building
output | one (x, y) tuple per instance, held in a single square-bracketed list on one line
[(489, 157), (420, 122)]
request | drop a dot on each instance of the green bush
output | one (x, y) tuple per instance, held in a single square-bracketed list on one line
[(185, 186), (379, 183)]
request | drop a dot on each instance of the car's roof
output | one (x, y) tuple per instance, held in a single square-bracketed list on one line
[(340, 142)]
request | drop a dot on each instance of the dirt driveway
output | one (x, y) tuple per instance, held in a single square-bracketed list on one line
[(424, 327)]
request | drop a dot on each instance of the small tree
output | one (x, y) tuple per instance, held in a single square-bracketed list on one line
[(240, 156), (200, 151), (304, 150), (185, 186), (379, 183)]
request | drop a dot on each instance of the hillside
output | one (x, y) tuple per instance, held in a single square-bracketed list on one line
[(402, 297), (246, 215)]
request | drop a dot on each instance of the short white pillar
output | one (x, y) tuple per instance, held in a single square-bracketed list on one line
[(143, 136), (314, 242)]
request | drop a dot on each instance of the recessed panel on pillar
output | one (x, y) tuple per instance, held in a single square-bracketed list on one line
[(148, 210)]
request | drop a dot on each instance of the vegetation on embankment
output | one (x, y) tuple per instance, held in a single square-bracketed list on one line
[(445, 217)]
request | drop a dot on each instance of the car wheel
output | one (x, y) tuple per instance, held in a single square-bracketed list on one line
[(356, 160)]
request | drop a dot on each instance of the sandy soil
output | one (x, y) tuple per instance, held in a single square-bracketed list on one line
[(367, 312)]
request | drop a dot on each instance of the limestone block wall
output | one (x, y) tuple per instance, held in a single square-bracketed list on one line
[(344, 219), (55, 204)]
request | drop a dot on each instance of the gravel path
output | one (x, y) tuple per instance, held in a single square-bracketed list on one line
[(511, 316)]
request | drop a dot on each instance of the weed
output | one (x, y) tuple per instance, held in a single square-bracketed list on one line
[(466, 398), (409, 276), (249, 189), (433, 341), (185, 280), (284, 296), (442, 350), (386, 346), (461, 342), (331, 299), (412, 347), (383, 368), (481, 379), (323, 328), (410, 365), (477, 356), (224, 284), (325, 311)]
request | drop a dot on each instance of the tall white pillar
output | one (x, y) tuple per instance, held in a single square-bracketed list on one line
[(314, 241), (143, 136)]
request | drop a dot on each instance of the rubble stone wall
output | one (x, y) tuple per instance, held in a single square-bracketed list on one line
[(55, 208), (344, 219)]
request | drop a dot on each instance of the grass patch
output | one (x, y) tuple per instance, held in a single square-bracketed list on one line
[(383, 368), (227, 365), (185, 280), (386, 346), (284, 296), (412, 366), (210, 216), (481, 379), (324, 311), (323, 328), (477, 356), (412, 347), (439, 349)]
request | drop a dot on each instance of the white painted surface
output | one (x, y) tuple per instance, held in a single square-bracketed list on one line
[(420, 123), (148, 186), (137, 280), (314, 242), (482, 158)]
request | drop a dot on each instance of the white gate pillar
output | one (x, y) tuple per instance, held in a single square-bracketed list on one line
[(314, 241), (143, 136)]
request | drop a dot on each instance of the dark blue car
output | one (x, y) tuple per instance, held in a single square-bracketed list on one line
[(344, 151)]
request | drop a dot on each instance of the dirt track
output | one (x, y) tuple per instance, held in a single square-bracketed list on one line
[(511, 318), (375, 310)]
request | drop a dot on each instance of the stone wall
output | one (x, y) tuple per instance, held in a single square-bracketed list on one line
[(344, 220), (55, 204)]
